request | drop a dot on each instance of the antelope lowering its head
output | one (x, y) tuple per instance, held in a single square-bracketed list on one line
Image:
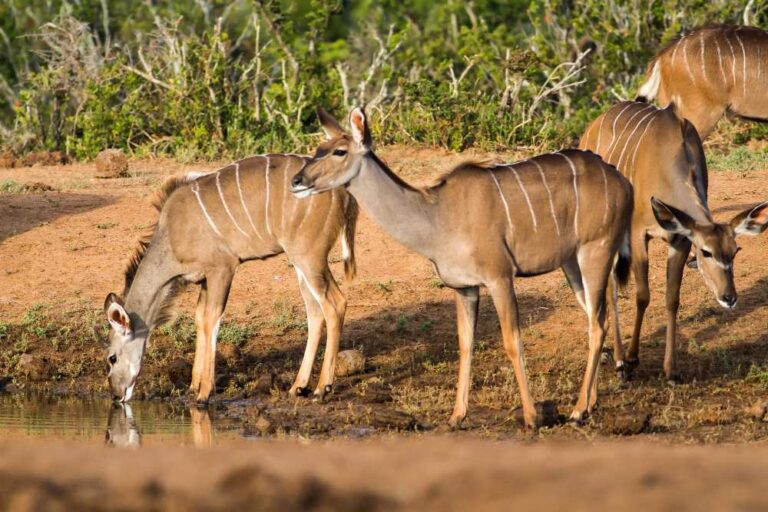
[(208, 225), (712, 70), (484, 225), (662, 156)]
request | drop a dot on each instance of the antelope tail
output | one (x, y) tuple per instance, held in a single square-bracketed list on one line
[(650, 88), (348, 239), (623, 260)]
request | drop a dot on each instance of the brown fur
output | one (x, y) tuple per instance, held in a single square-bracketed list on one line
[(710, 71)]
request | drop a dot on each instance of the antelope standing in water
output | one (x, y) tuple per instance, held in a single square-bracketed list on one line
[(712, 70), (484, 225), (209, 224), (662, 156)]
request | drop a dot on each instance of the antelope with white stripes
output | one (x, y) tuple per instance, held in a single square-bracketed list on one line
[(712, 70), (485, 225), (208, 225), (662, 156)]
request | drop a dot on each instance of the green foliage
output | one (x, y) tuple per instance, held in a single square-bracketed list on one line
[(214, 79)]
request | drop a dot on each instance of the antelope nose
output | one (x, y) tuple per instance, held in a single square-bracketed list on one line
[(730, 299), (296, 180)]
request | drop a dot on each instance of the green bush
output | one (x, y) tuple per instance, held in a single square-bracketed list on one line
[(212, 79)]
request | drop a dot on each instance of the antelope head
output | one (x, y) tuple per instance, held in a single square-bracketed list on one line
[(338, 159), (714, 243), (126, 348)]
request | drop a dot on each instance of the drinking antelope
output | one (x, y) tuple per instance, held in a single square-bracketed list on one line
[(662, 156), (209, 224), (712, 70), (484, 225)]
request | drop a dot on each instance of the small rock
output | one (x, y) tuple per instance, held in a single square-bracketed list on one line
[(111, 163), (391, 418), (263, 425), (628, 424), (349, 362), (179, 372), (759, 411), (41, 158)]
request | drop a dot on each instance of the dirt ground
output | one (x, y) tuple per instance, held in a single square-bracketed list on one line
[(430, 474), (62, 251)]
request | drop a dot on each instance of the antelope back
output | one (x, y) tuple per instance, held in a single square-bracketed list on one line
[(247, 209), (659, 153), (712, 69)]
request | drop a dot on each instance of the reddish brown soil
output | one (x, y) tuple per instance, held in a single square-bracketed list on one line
[(66, 249)]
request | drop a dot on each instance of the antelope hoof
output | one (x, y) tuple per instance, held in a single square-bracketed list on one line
[(622, 372), (578, 417), (321, 393), (631, 364), (300, 392), (455, 422), (673, 379)]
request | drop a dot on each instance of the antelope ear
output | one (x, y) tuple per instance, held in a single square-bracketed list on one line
[(751, 221), (112, 298), (119, 319), (329, 124), (360, 132), (672, 219)]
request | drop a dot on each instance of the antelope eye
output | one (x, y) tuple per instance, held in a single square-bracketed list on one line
[(112, 359), (339, 152), (706, 253)]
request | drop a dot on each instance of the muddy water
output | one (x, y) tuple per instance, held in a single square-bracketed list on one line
[(101, 421)]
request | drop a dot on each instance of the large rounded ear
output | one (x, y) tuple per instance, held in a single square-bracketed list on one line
[(118, 318), (329, 124), (112, 298), (360, 132), (751, 221), (672, 219)]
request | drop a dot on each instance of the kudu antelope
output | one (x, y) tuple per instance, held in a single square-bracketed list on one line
[(712, 70), (662, 156), (209, 224), (485, 225)]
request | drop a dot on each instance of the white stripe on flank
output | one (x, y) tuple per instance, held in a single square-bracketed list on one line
[(688, 64), (703, 57), (613, 129), (744, 65), (720, 62), (195, 186), (503, 199), (640, 140), (242, 200), (677, 47), (303, 278), (549, 195), (224, 203), (605, 195), (575, 192), (527, 199), (624, 129), (626, 172), (600, 133), (733, 60), (266, 201)]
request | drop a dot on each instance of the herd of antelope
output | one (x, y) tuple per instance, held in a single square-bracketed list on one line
[(639, 173)]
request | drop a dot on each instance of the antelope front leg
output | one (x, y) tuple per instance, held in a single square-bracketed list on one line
[(334, 307), (467, 300), (201, 341), (216, 301), (503, 294), (678, 253), (315, 323)]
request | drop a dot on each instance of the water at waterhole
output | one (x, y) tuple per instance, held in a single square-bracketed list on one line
[(96, 420)]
